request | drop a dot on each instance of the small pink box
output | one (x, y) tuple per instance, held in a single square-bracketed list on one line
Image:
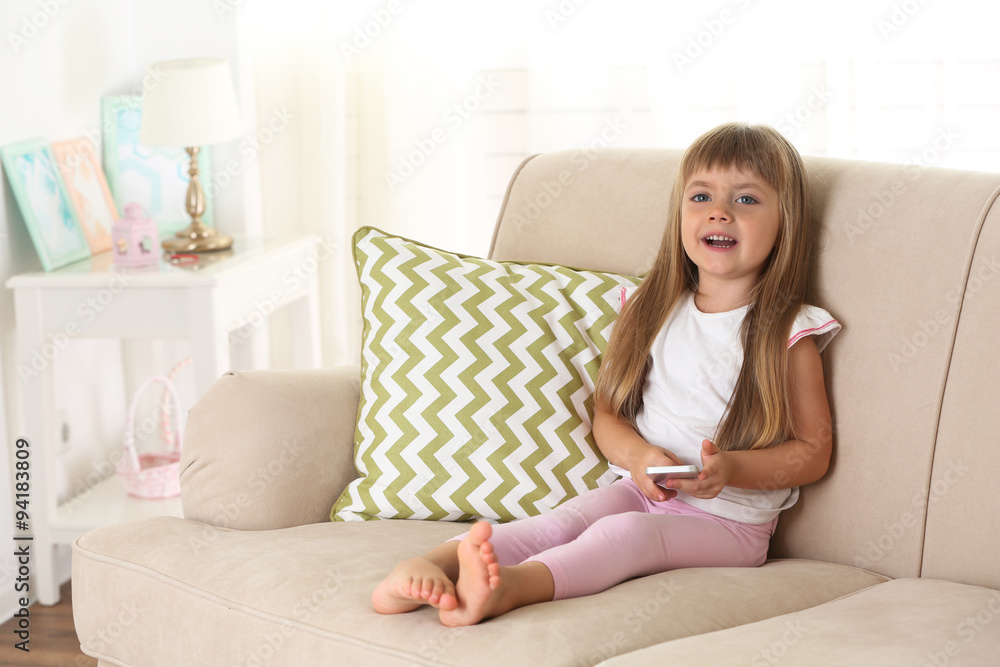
[(134, 238)]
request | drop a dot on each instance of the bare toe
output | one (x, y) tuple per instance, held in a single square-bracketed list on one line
[(448, 601), (394, 596), (411, 585)]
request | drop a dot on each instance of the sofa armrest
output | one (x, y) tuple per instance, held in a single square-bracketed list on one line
[(270, 449)]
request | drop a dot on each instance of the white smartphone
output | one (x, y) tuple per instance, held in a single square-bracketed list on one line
[(660, 473)]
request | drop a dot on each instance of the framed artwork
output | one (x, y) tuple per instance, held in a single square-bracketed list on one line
[(44, 202), (154, 176), (88, 189)]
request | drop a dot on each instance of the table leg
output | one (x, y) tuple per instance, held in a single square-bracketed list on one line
[(210, 342), (36, 383), (259, 346), (304, 314)]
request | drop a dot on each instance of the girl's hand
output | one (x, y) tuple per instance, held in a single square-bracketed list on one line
[(652, 456), (716, 469)]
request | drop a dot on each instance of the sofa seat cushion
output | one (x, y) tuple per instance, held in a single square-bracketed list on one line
[(903, 622), (302, 595)]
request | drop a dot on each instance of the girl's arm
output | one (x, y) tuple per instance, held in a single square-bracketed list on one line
[(620, 443), (788, 464)]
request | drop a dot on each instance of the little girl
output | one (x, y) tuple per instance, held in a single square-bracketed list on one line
[(714, 361)]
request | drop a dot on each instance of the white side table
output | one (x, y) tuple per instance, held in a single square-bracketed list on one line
[(203, 302)]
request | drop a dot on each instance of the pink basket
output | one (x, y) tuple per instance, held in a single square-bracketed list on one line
[(153, 476)]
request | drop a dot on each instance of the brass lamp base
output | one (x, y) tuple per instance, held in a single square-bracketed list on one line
[(196, 237)]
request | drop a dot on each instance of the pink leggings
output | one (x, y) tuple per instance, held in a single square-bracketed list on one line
[(608, 535)]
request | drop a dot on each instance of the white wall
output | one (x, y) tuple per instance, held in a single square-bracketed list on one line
[(57, 58)]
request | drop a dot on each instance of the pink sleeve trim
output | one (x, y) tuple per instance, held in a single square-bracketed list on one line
[(807, 332)]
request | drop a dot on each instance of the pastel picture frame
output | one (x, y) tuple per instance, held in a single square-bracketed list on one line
[(154, 176), (45, 204), (88, 189)]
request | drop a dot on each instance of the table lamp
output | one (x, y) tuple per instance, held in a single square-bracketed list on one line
[(192, 105)]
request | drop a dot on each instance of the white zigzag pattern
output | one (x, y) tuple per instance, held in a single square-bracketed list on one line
[(484, 387), (388, 332), (460, 436), (518, 387), (430, 356), (517, 460), (579, 397), (551, 389)]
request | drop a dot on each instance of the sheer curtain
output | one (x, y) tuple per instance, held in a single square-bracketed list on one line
[(411, 115)]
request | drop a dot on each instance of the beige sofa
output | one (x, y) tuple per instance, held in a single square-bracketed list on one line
[(892, 559)]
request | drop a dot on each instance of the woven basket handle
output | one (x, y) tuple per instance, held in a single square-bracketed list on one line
[(165, 410), (176, 436)]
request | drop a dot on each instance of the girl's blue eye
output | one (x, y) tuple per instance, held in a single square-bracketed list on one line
[(700, 198), (750, 200)]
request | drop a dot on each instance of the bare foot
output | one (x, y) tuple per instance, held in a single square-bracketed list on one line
[(414, 583), (479, 585)]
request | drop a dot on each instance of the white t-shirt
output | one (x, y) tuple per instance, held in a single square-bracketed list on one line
[(696, 359)]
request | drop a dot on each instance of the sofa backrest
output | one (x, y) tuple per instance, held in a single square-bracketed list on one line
[(912, 377), (963, 517)]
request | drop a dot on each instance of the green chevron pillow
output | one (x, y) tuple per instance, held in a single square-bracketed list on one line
[(477, 383)]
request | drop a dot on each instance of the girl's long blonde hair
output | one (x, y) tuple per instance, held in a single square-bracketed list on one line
[(758, 414)]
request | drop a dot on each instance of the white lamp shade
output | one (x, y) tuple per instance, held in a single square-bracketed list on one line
[(191, 102)]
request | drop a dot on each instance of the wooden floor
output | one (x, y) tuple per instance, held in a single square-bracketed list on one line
[(53, 640)]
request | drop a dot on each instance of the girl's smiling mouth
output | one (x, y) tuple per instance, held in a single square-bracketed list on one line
[(719, 242)]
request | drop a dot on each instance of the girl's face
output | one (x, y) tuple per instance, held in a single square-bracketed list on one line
[(729, 224)]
